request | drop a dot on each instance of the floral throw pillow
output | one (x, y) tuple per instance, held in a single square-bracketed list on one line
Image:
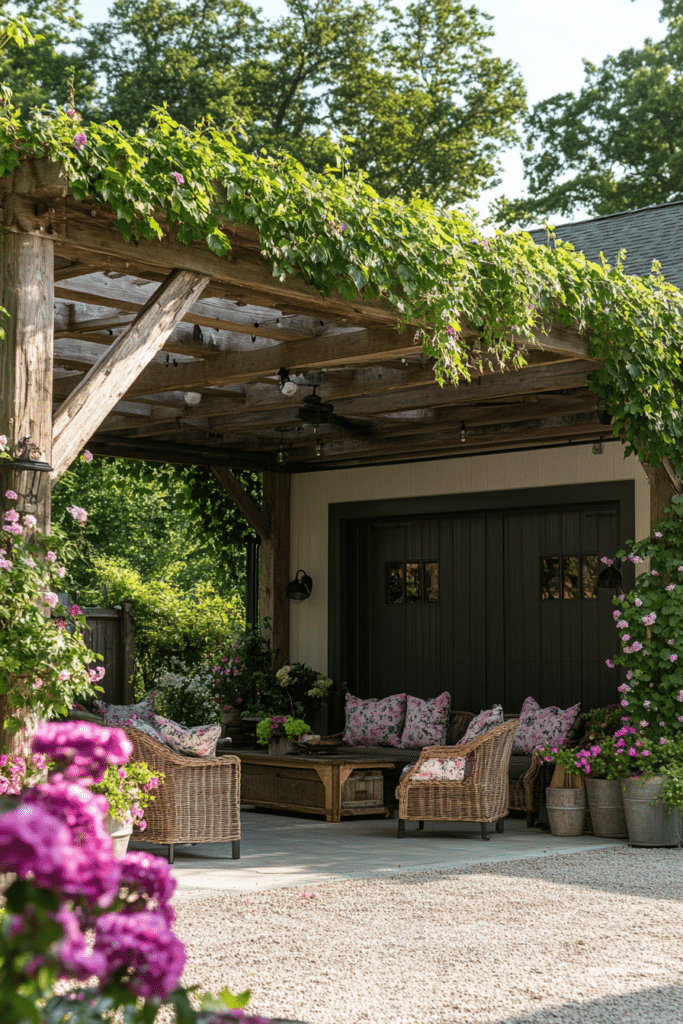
[(199, 741), (441, 769), (481, 723), (426, 721), (142, 726), (118, 714), (374, 723), (538, 726)]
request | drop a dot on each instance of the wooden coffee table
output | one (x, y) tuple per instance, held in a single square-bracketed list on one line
[(306, 783)]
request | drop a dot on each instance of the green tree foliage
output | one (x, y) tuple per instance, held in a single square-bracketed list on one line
[(618, 144), (40, 74), (426, 105), (165, 522)]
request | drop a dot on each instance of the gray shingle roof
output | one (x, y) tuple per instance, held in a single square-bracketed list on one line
[(653, 233)]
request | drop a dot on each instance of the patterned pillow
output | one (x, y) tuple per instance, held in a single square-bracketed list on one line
[(538, 726), (374, 723), (441, 769), (118, 714), (142, 726), (481, 723), (426, 721), (199, 741)]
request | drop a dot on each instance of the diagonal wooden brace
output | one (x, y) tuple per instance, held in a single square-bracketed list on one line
[(107, 381)]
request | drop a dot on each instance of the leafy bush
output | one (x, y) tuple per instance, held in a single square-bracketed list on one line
[(171, 624), (188, 699)]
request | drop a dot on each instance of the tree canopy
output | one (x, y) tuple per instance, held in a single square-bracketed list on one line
[(425, 105), (616, 145)]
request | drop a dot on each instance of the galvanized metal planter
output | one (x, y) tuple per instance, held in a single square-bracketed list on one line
[(607, 808), (566, 810), (649, 821)]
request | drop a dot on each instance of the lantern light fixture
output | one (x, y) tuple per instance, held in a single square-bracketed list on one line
[(300, 588), (610, 578)]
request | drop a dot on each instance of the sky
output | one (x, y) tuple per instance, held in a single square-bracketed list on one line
[(547, 39)]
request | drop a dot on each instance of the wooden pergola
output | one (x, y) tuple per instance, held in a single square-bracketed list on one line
[(166, 352)]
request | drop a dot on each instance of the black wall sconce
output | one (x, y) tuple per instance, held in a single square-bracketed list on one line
[(300, 588), (610, 577)]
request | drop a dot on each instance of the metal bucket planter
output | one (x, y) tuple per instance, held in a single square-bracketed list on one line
[(607, 808), (566, 810), (281, 745), (649, 821), (120, 832)]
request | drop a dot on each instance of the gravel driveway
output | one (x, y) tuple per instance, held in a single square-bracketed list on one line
[(589, 938)]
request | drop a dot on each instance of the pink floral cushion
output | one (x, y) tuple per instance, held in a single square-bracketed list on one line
[(426, 721), (374, 723), (481, 723), (142, 726), (538, 726), (199, 741), (441, 769), (118, 714)]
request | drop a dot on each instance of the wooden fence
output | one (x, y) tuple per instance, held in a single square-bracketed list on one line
[(110, 633)]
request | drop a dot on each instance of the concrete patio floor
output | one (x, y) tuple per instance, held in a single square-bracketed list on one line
[(283, 850)]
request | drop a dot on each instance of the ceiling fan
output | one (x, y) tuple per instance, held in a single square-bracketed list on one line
[(318, 413)]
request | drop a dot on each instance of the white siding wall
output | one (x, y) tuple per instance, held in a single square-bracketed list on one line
[(312, 493)]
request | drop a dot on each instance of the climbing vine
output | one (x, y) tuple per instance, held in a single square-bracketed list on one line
[(434, 268)]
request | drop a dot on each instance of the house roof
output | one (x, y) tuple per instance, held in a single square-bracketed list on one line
[(652, 233)]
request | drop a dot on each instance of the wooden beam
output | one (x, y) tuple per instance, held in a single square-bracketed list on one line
[(245, 503), (87, 406), (214, 314), (563, 341), (275, 556), (362, 346), (26, 364)]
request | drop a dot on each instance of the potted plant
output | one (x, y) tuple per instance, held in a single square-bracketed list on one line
[(279, 732), (128, 789), (596, 759), (44, 662)]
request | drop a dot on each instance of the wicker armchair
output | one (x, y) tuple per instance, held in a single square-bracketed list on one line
[(482, 797), (198, 802)]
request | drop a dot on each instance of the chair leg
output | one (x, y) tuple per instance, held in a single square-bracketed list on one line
[(401, 828), (420, 825), (235, 849), (484, 832), (171, 853), (530, 819), (500, 825)]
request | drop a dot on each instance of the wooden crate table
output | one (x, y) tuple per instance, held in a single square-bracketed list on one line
[(333, 786)]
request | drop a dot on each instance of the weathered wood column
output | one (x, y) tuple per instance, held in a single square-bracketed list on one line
[(275, 548), (27, 293), (663, 485)]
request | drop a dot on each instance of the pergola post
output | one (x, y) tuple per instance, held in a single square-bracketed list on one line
[(663, 485), (27, 294), (275, 548)]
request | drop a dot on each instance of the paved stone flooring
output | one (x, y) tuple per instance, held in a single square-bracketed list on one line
[(280, 850)]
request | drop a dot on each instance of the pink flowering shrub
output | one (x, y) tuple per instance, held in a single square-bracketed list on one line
[(44, 662), (649, 623), (68, 884), (17, 772)]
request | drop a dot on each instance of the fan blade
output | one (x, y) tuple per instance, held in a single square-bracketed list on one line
[(361, 427)]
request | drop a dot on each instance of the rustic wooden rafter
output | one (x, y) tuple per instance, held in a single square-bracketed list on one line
[(207, 393), (112, 375)]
